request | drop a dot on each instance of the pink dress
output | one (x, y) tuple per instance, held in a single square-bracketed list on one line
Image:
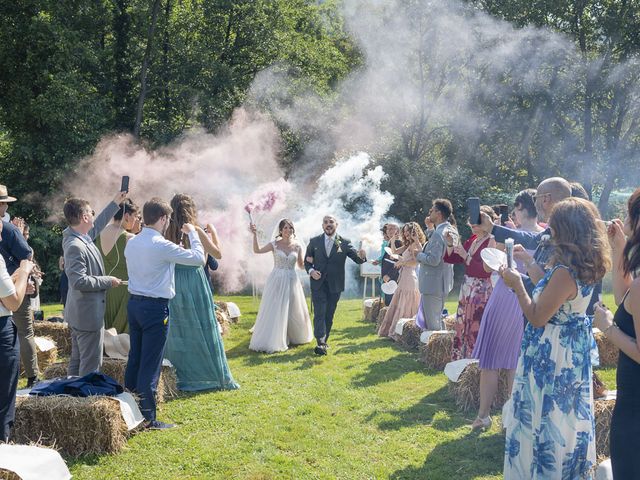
[(406, 298)]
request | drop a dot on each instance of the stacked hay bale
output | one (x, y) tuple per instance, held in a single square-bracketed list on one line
[(410, 338), (222, 315), (436, 353), (466, 391), (9, 475), (73, 425), (46, 351), (59, 332), (378, 304), (380, 317), (449, 322), (607, 351), (114, 367), (603, 409), (366, 309)]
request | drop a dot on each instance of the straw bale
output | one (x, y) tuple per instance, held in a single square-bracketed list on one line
[(44, 358), (410, 338), (59, 332), (367, 313), (114, 367), (380, 318), (607, 351), (436, 353), (223, 320), (466, 391), (222, 306), (73, 425), (602, 410), (9, 475), (449, 322), (375, 308)]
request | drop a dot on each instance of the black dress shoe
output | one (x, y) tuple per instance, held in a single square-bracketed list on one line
[(320, 350)]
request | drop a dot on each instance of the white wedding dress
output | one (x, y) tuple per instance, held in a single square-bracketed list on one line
[(283, 317)]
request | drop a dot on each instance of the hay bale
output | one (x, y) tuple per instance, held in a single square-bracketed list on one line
[(378, 304), (603, 409), (410, 338), (45, 357), (73, 425), (366, 310), (222, 306), (223, 320), (449, 322), (607, 351), (59, 332), (114, 367), (380, 318), (436, 353), (9, 475), (466, 391)]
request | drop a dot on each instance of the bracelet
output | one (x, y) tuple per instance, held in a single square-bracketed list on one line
[(609, 327)]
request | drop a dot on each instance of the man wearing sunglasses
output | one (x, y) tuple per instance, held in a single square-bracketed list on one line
[(88, 285)]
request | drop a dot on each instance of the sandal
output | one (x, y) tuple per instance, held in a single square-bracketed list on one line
[(481, 423)]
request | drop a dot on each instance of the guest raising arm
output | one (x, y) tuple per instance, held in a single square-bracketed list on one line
[(551, 396), (622, 330)]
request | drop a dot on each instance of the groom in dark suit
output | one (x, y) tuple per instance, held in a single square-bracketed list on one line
[(324, 261)]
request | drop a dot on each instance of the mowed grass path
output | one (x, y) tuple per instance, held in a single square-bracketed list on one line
[(367, 410)]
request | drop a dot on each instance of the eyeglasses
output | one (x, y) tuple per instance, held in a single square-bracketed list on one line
[(92, 212), (539, 195)]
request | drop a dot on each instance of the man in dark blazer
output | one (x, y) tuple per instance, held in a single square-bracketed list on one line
[(88, 282), (324, 261)]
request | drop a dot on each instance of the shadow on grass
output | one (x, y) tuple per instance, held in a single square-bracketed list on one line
[(387, 370), (465, 458), (295, 354), (423, 413)]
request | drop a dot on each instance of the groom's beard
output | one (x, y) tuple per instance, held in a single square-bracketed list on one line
[(329, 231)]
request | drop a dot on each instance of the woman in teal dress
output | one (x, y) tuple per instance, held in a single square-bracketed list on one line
[(194, 345), (549, 419)]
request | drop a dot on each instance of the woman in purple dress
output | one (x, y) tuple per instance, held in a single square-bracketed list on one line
[(501, 328)]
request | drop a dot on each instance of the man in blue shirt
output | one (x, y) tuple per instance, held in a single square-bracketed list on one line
[(14, 249), (151, 260)]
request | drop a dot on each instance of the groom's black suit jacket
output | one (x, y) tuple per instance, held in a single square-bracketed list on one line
[(331, 267)]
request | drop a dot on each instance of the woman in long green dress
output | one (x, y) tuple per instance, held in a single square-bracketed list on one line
[(111, 243), (194, 345)]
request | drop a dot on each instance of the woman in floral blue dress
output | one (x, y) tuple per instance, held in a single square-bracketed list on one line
[(549, 421)]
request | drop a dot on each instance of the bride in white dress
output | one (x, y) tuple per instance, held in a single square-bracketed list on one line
[(283, 317)]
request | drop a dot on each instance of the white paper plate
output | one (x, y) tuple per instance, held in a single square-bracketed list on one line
[(389, 287), (494, 258)]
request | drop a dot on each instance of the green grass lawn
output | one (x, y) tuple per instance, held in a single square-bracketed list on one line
[(367, 410)]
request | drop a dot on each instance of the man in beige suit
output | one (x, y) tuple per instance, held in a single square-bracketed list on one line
[(88, 284)]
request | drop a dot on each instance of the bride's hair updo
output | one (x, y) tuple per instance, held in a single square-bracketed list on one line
[(281, 225)]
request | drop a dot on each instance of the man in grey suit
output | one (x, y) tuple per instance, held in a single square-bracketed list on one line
[(435, 277), (88, 284)]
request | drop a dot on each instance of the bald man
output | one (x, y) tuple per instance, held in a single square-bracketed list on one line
[(549, 192)]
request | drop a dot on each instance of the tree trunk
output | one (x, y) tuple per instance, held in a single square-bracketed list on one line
[(145, 67)]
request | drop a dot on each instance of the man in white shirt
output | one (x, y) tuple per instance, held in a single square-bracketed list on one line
[(151, 260)]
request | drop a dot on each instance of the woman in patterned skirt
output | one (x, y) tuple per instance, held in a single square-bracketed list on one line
[(476, 286), (549, 420)]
